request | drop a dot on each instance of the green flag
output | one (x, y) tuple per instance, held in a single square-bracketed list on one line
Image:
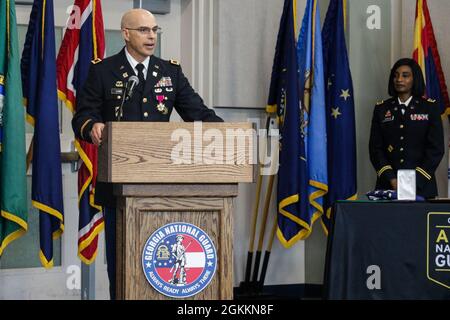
[(13, 193)]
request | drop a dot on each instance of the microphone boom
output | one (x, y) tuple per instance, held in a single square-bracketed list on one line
[(132, 83)]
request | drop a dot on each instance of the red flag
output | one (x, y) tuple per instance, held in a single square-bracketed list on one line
[(83, 42)]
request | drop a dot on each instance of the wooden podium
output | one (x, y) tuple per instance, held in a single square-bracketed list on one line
[(167, 173)]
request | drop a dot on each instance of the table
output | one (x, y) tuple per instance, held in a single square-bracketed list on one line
[(389, 250)]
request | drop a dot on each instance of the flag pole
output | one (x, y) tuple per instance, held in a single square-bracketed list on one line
[(30, 154), (262, 230), (248, 268), (267, 256)]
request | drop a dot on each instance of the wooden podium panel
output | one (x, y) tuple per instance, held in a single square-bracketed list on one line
[(205, 206), (143, 152)]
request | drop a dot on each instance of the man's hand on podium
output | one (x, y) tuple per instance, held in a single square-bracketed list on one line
[(96, 133)]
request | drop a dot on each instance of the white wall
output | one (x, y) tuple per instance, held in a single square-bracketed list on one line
[(246, 38)]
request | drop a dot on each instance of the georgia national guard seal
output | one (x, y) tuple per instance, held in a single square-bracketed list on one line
[(179, 260)]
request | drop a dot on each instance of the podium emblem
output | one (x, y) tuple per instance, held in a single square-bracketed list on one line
[(179, 260), (438, 247)]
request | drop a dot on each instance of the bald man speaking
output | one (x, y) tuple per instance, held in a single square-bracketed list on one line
[(158, 87)]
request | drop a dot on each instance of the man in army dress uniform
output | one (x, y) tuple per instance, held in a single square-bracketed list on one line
[(162, 87), (407, 132)]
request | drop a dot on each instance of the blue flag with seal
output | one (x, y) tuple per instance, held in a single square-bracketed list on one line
[(313, 125), (284, 100), (340, 111), (40, 93)]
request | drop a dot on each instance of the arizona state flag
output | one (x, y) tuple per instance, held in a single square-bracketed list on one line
[(83, 42), (426, 54), (341, 132), (39, 91)]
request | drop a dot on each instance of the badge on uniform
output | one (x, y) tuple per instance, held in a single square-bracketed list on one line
[(161, 106), (119, 84), (164, 82), (388, 117), (419, 117)]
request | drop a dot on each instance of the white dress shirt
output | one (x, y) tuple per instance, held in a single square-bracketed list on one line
[(133, 63), (406, 103)]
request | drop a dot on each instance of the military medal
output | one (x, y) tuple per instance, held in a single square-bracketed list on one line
[(161, 107)]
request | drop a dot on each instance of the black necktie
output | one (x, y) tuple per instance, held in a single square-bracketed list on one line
[(140, 68)]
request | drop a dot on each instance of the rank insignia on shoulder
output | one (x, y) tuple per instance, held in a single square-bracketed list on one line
[(431, 100), (95, 61), (379, 103), (175, 62)]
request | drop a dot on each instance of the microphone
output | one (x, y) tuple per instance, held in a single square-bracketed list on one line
[(132, 83)]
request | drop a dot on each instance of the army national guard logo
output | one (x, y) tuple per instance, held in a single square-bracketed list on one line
[(179, 260), (438, 246)]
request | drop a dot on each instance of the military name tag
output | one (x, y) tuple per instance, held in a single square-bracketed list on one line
[(116, 91)]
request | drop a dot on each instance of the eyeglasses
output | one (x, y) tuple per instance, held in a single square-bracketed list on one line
[(146, 30)]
